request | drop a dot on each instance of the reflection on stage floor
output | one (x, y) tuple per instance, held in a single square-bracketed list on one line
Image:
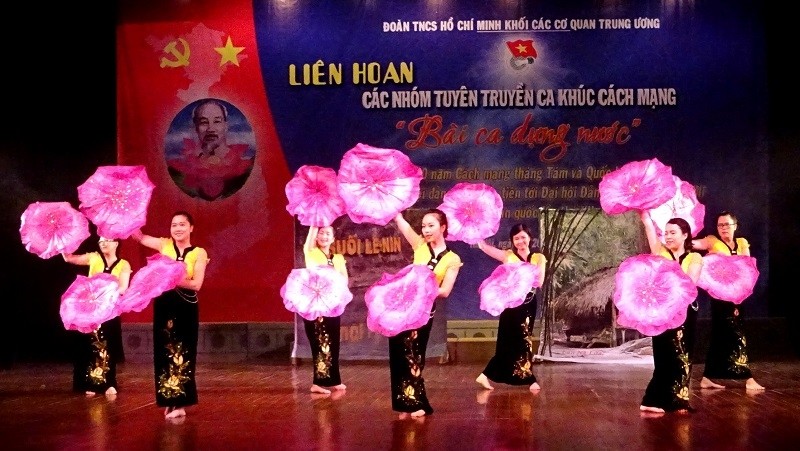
[(267, 405)]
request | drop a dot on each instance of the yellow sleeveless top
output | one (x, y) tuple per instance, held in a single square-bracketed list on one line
[(536, 258), (719, 247), (96, 265), (422, 255), (316, 257), (687, 261), (168, 249)]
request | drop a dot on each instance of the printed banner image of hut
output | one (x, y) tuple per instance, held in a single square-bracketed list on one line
[(584, 315)]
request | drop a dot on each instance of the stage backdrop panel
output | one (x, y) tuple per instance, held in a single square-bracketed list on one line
[(537, 99)]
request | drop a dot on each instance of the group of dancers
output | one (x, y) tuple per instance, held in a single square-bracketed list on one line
[(176, 321), (514, 356), (668, 390)]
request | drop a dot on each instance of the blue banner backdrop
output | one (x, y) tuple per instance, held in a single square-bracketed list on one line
[(539, 101)]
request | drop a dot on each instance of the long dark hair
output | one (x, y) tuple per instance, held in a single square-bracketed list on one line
[(520, 227), (516, 228), (685, 228), (185, 214), (441, 217)]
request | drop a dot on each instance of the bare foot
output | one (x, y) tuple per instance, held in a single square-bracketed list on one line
[(535, 387), (111, 391), (167, 411), (483, 381), (751, 384), (317, 389), (404, 416), (89, 394), (340, 387), (651, 409), (418, 413), (176, 413), (708, 383), (176, 420)]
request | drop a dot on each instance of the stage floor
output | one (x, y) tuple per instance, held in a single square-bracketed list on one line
[(266, 405)]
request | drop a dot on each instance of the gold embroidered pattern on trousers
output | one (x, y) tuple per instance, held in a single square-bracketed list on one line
[(171, 382), (322, 366), (523, 367), (412, 388), (98, 370)]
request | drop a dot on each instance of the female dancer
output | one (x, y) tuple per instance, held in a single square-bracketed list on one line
[(668, 389), (176, 318), (512, 362), (727, 353), (323, 332), (407, 349), (95, 366)]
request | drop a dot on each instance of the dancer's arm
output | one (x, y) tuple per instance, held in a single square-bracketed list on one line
[(703, 244), (196, 282), (311, 239), (449, 280), (650, 231), (543, 267), (124, 277), (695, 266), (405, 228), (146, 240), (491, 251), (76, 259)]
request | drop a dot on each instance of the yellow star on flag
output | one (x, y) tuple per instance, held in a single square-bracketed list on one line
[(229, 53), (521, 48)]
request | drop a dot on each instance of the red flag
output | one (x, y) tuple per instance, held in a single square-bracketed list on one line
[(232, 177), (522, 48)]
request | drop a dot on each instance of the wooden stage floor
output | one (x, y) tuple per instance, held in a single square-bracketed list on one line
[(266, 405)]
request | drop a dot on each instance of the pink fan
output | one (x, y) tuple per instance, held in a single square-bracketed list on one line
[(652, 294), (402, 301), (638, 185), (728, 277), (161, 273), (49, 228), (115, 199), (313, 196), (683, 204), (89, 302), (376, 184), (316, 291), (507, 286), (473, 212)]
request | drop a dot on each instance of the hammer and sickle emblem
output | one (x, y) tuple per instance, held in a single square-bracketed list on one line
[(181, 58)]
